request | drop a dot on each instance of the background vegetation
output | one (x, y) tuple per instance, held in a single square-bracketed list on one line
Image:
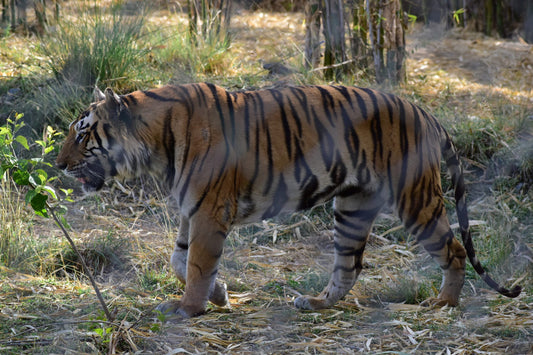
[(480, 88)]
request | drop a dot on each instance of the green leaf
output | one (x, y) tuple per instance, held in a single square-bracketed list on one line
[(29, 196), (42, 174), (4, 130), (23, 141), (21, 177), (51, 191), (38, 203), (35, 180)]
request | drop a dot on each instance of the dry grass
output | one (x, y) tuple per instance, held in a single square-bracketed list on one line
[(267, 264)]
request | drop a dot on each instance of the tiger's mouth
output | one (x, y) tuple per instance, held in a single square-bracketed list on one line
[(90, 184), (91, 178)]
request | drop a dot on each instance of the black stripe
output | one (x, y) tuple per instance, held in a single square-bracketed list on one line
[(278, 200), (169, 143), (307, 198), (343, 90), (248, 100), (347, 251), (231, 111), (158, 97), (339, 219), (278, 97), (188, 178), (338, 171), (351, 236), (327, 103), (375, 127), (388, 98), (327, 148), (301, 96), (435, 247), (363, 173), (429, 228), (361, 104), (404, 149), (351, 138), (270, 162), (344, 268), (295, 117), (362, 214)]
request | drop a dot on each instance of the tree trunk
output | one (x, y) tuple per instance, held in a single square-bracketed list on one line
[(334, 53), (359, 34), (386, 25), (13, 14), (312, 34), (528, 23)]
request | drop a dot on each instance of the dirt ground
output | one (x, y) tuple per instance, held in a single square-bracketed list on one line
[(269, 267)]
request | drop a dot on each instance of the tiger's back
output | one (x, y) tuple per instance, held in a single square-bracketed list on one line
[(238, 157), (297, 147)]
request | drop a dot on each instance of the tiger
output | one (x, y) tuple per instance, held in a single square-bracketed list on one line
[(232, 158)]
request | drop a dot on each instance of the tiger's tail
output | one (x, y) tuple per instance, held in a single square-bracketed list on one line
[(454, 167)]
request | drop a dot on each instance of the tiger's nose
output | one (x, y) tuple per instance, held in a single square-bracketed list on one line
[(61, 165)]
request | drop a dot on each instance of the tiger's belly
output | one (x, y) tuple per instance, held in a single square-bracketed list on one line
[(286, 197)]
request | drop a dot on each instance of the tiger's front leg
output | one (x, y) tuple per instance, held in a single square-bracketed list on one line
[(195, 263)]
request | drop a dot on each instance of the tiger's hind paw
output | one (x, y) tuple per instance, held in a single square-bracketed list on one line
[(437, 302), (168, 307), (175, 307), (219, 296)]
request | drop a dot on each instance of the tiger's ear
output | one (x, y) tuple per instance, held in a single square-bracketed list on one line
[(98, 94), (112, 99), (114, 104)]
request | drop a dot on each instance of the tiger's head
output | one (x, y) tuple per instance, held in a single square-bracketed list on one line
[(94, 147)]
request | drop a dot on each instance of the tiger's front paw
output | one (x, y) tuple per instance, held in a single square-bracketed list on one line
[(309, 303), (176, 307)]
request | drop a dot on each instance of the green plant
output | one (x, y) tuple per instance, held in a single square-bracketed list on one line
[(458, 16), (479, 139), (97, 48), (409, 290), (27, 172)]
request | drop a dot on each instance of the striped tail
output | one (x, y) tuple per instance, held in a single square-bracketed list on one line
[(454, 167)]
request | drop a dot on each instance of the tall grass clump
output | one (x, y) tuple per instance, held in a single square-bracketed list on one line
[(191, 60), (14, 221), (201, 49), (20, 248), (97, 48)]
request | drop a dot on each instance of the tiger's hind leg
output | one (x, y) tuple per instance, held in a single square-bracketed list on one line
[(354, 215), (432, 230)]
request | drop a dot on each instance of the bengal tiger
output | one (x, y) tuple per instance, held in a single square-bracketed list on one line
[(231, 158)]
